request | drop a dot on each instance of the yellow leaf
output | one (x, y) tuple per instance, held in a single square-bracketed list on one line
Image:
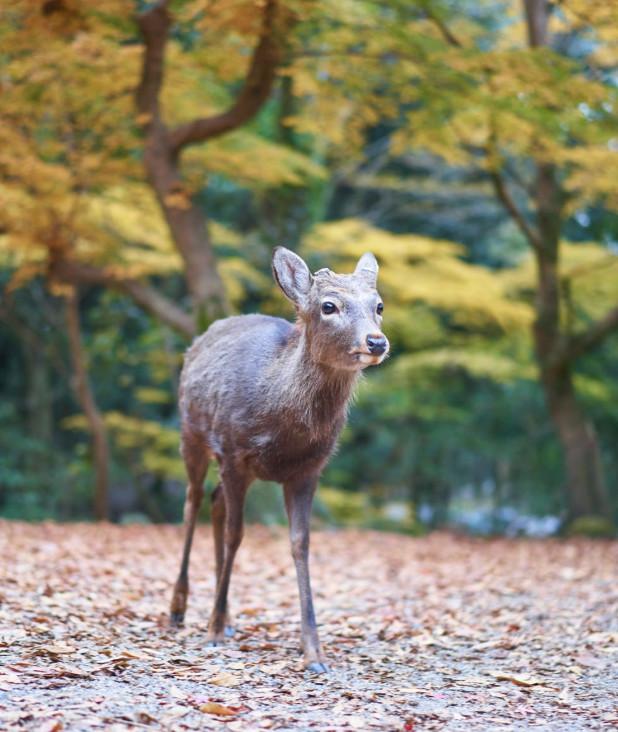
[(178, 200)]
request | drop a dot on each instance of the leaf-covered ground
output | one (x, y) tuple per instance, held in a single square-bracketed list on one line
[(433, 633)]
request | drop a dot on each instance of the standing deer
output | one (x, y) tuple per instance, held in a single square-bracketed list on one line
[(268, 399)]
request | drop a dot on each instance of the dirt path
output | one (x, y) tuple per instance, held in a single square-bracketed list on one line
[(435, 633)]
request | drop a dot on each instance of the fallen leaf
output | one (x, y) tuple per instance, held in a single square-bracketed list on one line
[(66, 669), (587, 659), (177, 693), (51, 725), (224, 678), (500, 720), (8, 677), (214, 708), (145, 718), (435, 694), (138, 656), (518, 679), (55, 649), (564, 694), (276, 668)]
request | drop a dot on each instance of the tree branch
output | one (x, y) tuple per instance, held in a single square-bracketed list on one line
[(154, 26), (441, 25), (579, 345), (145, 296), (148, 298), (537, 14), (507, 201), (251, 97)]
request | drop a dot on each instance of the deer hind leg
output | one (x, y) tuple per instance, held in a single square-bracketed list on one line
[(217, 515), (227, 514), (196, 457)]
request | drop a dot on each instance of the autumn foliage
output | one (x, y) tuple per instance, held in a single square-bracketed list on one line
[(152, 154)]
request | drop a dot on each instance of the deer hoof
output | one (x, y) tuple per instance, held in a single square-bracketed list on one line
[(215, 639), (318, 668), (179, 601)]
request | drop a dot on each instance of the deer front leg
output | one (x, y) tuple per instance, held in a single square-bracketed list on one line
[(298, 500)]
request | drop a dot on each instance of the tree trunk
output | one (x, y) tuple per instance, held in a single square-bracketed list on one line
[(537, 15), (188, 227), (163, 147), (556, 348), (186, 222), (83, 394), (585, 485)]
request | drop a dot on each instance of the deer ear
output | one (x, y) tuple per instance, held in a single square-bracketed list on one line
[(367, 267), (292, 275)]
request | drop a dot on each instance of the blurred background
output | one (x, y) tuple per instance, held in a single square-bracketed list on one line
[(152, 154)]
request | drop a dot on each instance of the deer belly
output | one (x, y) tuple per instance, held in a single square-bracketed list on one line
[(288, 458)]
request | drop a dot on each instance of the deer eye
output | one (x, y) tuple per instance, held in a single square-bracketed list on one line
[(380, 308), (328, 308)]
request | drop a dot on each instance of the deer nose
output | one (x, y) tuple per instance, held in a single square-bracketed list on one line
[(376, 344)]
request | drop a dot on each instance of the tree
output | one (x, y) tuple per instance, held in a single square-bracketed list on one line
[(459, 403), (175, 206), (163, 146), (76, 211), (534, 113), (557, 346), (73, 124)]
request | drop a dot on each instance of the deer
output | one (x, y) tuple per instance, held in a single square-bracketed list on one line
[(267, 399)]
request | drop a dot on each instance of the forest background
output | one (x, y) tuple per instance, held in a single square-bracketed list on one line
[(151, 155)]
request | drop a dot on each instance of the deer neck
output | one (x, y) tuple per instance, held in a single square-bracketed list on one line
[(313, 394)]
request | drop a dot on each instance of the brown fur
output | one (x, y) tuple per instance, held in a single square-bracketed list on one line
[(268, 399)]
